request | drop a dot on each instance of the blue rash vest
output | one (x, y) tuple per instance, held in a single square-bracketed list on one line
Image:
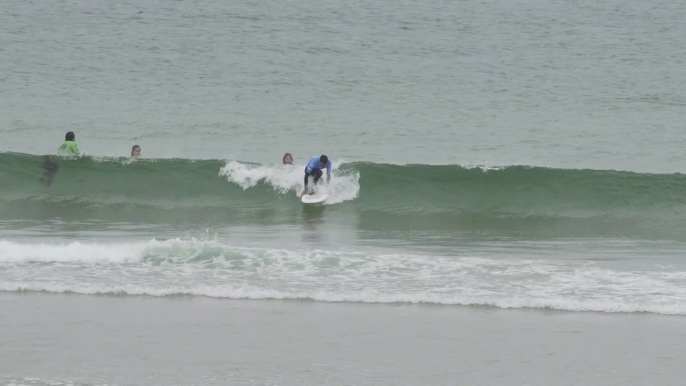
[(314, 164)]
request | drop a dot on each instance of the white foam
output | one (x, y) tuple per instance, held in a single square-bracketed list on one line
[(200, 268), (76, 251), (30, 381), (11, 252), (256, 293), (282, 178), (285, 178)]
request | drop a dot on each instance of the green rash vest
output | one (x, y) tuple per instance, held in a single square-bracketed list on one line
[(68, 148)]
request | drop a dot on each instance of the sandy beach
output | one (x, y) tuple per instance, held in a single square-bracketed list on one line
[(130, 340)]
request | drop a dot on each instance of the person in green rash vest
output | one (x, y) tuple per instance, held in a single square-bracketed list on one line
[(69, 146)]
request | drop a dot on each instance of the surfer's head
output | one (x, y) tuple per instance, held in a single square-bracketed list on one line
[(323, 160), (70, 136), (287, 159), (135, 151)]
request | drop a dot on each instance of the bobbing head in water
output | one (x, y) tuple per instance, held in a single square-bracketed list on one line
[(287, 159), (135, 151)]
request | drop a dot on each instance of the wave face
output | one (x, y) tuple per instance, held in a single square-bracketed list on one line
[(513, 198), (182, 267), (510, 237)]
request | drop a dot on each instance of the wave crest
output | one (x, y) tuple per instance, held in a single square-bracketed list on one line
[(286, 178)]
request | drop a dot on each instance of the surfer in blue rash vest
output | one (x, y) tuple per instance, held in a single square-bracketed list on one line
[(314, 169)]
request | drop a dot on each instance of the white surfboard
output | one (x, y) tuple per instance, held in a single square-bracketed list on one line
[(314, 198)]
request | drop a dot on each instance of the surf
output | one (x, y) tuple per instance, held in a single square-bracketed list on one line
[(193, 267), (344, 186), (574, 202)]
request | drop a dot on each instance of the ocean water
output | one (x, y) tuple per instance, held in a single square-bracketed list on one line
[(566, 84), (487, 155)]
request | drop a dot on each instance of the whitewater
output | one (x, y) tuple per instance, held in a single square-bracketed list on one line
[(506, 237), (216, 269), (290, 178)]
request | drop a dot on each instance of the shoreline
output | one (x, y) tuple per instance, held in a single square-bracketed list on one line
[(309, 297)]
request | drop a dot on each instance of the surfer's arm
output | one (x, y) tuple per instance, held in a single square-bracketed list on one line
[(328, 172)]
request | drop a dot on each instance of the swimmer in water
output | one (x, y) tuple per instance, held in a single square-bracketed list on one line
[(50, 170), (287, 159), (135, 151), (69, 146)]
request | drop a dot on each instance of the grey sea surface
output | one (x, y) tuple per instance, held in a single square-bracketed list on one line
[(581, 84)]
